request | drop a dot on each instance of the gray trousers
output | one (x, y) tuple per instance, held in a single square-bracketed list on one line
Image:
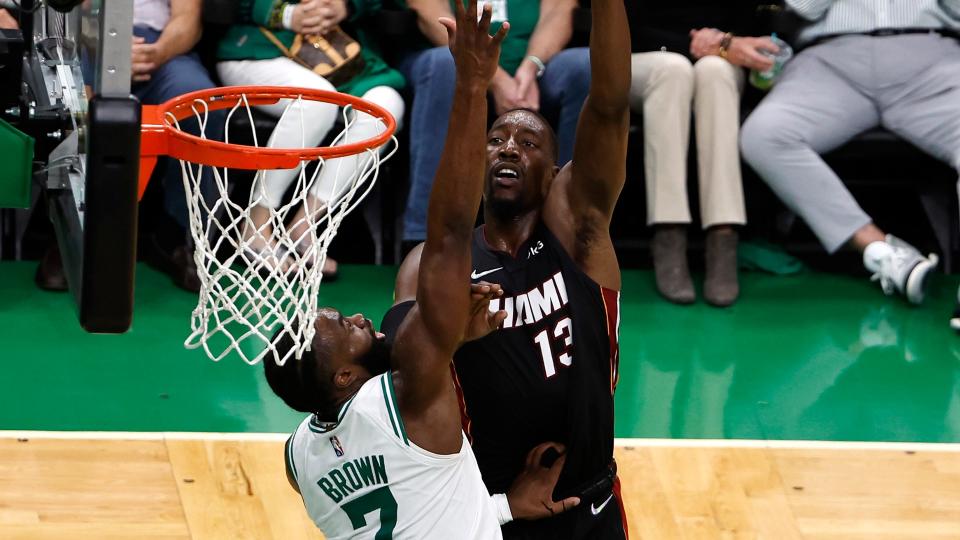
[(829, 93)]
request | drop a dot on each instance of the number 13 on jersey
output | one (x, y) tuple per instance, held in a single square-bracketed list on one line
[(562, 332)]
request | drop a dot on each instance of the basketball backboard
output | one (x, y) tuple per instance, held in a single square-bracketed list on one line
[(77, 105)]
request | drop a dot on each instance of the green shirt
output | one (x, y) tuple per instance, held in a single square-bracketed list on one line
[(245, 41), (523, 16)]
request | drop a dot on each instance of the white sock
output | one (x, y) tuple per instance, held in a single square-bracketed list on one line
[(876, 252)]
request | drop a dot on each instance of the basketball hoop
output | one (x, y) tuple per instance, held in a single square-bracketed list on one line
[(246, 296)]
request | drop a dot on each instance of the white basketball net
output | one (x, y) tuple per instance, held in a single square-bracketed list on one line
[(248, 294)]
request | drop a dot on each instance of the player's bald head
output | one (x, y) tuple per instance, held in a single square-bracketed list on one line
[(531, 120)]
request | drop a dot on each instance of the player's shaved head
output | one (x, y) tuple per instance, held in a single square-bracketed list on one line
[(307, 385), (533, 120), (296, 382)]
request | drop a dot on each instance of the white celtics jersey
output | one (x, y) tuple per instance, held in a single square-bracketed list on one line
[(363, 478)]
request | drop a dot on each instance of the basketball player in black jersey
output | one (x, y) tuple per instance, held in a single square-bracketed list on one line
[(549, 373)]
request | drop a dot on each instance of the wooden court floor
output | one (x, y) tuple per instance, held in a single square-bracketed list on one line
[(175, 486)]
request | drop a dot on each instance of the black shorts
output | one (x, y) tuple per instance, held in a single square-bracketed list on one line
[(581, 523)]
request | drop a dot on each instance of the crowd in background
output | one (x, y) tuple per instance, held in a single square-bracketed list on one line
[(857, 64)]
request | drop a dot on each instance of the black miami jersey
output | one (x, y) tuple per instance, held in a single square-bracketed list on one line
[(548, 374)]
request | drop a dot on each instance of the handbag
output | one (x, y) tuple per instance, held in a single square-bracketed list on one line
[(335, 56)]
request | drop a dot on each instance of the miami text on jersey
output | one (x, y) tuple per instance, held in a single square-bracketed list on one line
[(532, 306)]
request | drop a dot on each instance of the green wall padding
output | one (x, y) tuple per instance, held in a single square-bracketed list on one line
[(16, 158)]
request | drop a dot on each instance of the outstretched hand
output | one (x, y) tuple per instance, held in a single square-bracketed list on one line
[(475, 52), (482, 320), (531, 495)]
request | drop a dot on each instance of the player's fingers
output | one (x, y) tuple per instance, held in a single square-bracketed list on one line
[(569, 503), (501, 33), (557, 468), (535, 456), (496, 319), (484, 26)]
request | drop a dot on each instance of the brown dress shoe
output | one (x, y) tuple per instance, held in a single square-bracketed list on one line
[(177, 263), (722, 286), (669, 248), (50, 275)]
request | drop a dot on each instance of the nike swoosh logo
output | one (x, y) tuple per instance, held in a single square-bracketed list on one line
[(475, 275), (594, 509)]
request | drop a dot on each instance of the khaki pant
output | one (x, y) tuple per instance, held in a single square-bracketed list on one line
[(664, 86)]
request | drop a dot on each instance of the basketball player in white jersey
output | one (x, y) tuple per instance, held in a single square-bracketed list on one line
[(383, 455)]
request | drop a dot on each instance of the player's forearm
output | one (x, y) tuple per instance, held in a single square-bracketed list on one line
[(553, 30), (609, 58), (454, 200), (455, 197)]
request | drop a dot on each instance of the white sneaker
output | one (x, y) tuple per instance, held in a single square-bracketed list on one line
[(904, 270)]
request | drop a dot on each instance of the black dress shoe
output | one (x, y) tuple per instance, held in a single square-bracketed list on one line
[(49, 275)]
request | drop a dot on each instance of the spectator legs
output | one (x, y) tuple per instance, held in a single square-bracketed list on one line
[(925, 110), (662, 86), (811, 110), (431, 74), (563, 89), (716, 100)]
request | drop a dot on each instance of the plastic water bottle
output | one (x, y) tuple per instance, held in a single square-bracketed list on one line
[(765, 79)]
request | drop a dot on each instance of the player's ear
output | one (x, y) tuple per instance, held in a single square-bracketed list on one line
[(347, 376)]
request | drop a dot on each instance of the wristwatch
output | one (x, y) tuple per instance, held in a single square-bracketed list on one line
[(541, 67), (725, 44)]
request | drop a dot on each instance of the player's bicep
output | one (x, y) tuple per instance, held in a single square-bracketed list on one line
[(423, 363), (443, 291)]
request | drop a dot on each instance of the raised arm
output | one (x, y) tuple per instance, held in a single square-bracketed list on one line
[(445, 261), (581, 203), (435, 326)]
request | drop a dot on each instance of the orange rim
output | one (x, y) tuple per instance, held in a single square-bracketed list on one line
[(158, 137)]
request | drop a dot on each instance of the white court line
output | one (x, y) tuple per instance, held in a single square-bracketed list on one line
[(642, 443), (789, 445)]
